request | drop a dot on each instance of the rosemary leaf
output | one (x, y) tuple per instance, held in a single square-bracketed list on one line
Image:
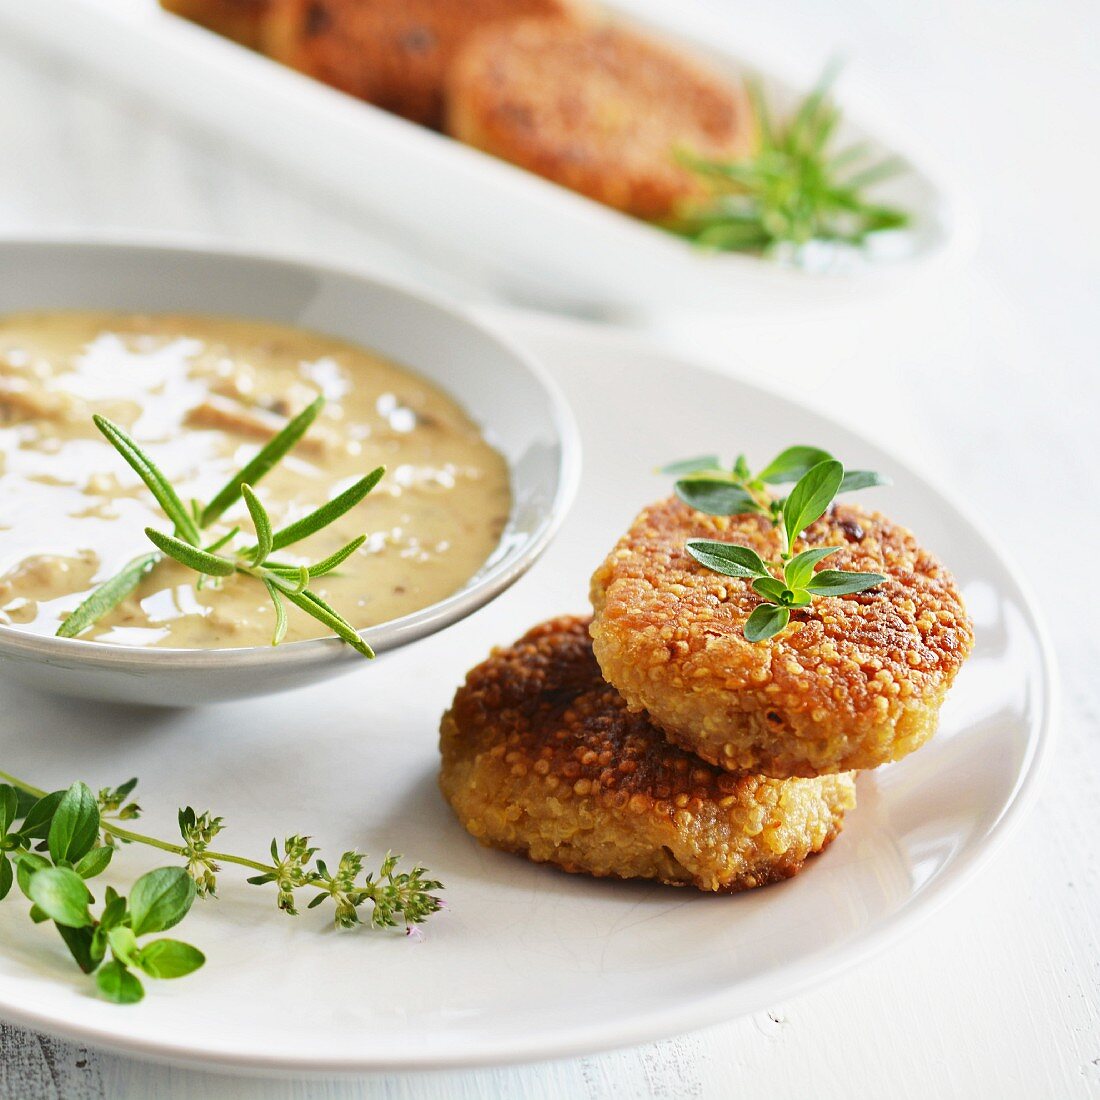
[(313, 605), (794, 189), (263, 461), (328, 512), (227, 538), (107, 596), (189, 555), (280, 612), (334, 560), (261, 521), (147, 470)]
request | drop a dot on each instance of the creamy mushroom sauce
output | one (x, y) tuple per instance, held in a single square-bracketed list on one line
[(201, 395)]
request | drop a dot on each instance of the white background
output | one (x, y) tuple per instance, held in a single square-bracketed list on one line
[(991, 376)]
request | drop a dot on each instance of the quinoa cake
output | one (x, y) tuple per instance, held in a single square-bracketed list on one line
[(392, 53), (853, 681), (596, 108), (542, 757)]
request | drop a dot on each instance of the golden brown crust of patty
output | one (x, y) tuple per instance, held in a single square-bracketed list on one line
[(542, 757), (241, 20), (853, 682), (392, 53), (597, 108)]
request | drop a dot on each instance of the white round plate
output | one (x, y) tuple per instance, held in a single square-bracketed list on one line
[(527, 962)]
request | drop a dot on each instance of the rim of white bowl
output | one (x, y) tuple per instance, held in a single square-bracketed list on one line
[(483, 587)]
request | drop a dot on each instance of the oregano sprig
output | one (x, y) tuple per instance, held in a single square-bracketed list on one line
[(793, 581), (707, 486), (283, 581), (52, 843)]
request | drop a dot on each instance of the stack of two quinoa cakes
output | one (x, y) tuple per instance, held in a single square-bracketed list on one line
[(654, 741)]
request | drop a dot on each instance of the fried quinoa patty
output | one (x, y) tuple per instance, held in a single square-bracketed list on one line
[(542, 757), (853, 682), (596, 108), (392, 53)]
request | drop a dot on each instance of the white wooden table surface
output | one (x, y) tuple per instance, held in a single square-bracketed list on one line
[(992, 376)]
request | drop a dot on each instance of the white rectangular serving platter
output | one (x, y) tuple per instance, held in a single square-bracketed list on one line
[(523, 238)]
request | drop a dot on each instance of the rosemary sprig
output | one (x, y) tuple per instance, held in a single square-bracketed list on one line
[(52, 843), (283, 581), (794, 189), (791, 582)]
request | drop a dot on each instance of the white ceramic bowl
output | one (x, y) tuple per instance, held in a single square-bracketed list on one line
[(520, 409)]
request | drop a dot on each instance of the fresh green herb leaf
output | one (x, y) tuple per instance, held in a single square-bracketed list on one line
[(837, 582), (801, 567), (715, 498), (261, 521), (334, 561), (328, 512), (691, 466), (124, 945), (264, 461), (75, 825), (280, 611), (771, 589), (191, 556), (157, 483), (225, 540), (725, 557), (107, 596), (94, 862), (169, 959), (9, 807), (118, 985), (765, 622), (792, 464), (81, 943), (61, 894), (313, 605), (811, 496), (114, 911), (27, 864), (36, 824), (862, 479), (160, 899)]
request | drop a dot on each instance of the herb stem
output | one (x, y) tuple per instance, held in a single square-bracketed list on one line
[(149, 841), (36, 792), (180, 850)]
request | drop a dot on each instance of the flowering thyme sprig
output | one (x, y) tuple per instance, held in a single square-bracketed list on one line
[(51, 843)]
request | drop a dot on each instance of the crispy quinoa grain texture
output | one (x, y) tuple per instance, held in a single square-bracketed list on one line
[(853, 682), (543, 758)]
